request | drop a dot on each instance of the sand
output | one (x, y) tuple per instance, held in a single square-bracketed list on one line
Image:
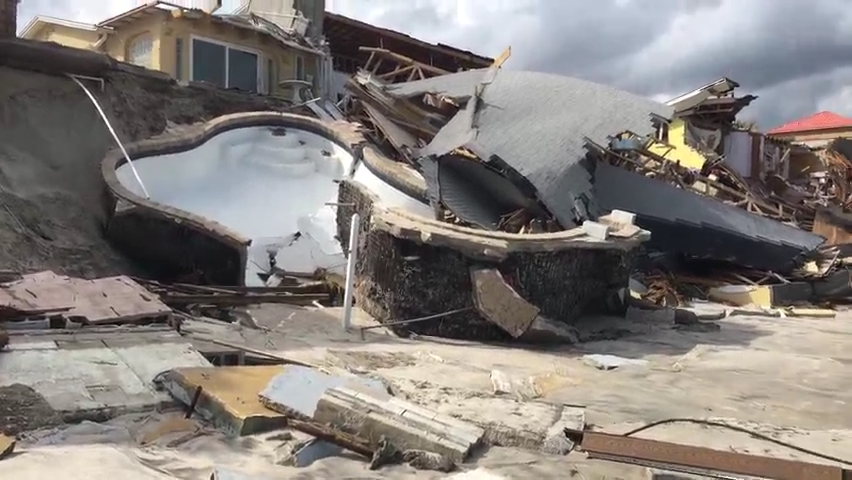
[(786, 378)]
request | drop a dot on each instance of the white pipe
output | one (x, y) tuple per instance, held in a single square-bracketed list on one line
[(354, 228), (112, 131)]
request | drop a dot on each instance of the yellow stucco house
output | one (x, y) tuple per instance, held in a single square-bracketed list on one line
[(712, 106), (245, 51)]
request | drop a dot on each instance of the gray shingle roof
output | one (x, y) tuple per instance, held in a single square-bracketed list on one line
[(685, 222), (537, 123)]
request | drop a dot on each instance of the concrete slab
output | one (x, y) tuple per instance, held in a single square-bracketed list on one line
[(85, 382), (229, 396), (297, 390), (507, 421)]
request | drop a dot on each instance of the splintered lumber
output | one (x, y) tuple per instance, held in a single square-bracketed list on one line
[(330, 435), (7, 446), (180, 294), (371, 415)]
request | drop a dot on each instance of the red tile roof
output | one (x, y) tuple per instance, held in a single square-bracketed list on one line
[(817, 121)]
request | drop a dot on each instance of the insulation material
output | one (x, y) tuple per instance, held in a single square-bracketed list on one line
[(738, 152)]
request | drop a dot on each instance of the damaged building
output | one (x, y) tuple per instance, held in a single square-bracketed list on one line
[(177, 254)]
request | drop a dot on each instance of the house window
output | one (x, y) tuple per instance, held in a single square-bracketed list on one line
[(300, 67), (224, 65), (140, 50)]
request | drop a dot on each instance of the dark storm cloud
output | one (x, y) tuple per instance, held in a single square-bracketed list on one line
[(785, 51)]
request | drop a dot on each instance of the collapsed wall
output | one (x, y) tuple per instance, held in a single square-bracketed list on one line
[(403, 273), (53, 202)]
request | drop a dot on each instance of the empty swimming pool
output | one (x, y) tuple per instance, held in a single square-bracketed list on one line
[(277, 186)]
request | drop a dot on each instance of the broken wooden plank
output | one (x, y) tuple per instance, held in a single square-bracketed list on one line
[(104, 300), (7, 446)]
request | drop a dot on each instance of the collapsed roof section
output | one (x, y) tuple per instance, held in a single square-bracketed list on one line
[(702, 227), (534, 125), (519, 151)]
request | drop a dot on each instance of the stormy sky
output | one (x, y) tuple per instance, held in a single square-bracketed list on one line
[(791, 53)]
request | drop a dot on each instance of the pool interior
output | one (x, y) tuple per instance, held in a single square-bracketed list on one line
[(277, 186)]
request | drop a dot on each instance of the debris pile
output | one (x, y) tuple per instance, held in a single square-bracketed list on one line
[(723, 204)]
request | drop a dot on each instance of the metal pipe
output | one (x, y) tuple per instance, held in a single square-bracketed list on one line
[(414, 320), (354, 228), (111, 131)]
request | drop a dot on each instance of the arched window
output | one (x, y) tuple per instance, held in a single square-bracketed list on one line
[(140, 50)]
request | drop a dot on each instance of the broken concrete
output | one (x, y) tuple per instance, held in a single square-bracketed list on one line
[(556, 441), (88, 380), (229, 396), (295, 391), (372, 415)]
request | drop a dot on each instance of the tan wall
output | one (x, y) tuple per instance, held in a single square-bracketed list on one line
[(116, 46), (167, 29), (283, 59), (71, 37)]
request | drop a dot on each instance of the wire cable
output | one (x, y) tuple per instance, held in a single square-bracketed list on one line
[(744, 430)]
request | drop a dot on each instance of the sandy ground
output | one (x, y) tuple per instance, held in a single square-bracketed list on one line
[(788, 378)]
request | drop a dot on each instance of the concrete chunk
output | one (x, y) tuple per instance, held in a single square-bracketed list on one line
[(499, 303), (596, 230), (297, 390), (417, 428), (622, 217), (228, 396), (555, 441)]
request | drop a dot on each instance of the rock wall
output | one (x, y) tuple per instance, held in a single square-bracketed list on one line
[(399, 279), (174, 251)]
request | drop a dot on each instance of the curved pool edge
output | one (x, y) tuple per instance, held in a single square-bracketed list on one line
[(347, 135)]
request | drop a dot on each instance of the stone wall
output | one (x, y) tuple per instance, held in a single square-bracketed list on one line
[(174, 251), (399, 279)]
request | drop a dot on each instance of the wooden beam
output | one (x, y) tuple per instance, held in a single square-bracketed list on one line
[(499, 61), (404, 60)]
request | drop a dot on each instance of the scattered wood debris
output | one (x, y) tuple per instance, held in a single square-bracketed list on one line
[(102, 301), (183, 295)]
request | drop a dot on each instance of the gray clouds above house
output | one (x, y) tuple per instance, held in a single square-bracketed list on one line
[(796, 55)]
